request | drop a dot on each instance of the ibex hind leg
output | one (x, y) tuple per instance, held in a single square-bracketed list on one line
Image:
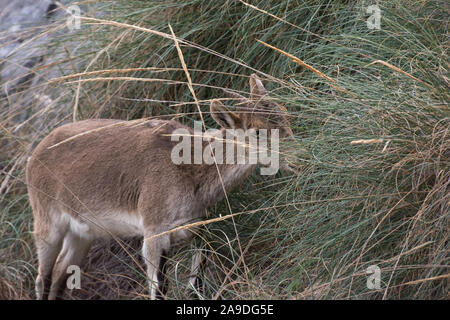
[(152, 250), (48, 246), (75, 249), (197, 266), (162, 277)]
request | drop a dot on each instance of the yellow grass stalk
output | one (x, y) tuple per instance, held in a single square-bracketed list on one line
[(387, 64), (366, 141), (307, 66)]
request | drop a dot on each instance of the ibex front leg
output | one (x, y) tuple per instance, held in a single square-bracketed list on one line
[(197, 265), (152, 250)]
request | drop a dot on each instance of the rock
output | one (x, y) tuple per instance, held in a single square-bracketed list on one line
[(27, 34), (20, 21)]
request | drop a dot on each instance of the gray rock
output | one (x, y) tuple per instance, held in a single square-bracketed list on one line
[(25, 43)]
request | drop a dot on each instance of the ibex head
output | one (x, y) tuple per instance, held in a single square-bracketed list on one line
[(256, 112)]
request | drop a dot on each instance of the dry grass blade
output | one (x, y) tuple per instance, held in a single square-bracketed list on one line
[(188, 76), (229, 216), (387, 64), (95, 130), (304, 64), (280, 19), (191, 89), (366, 141), (299, 61), (444, 276), (126, 70)]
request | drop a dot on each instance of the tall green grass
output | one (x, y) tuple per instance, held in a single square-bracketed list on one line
[(353, 204)]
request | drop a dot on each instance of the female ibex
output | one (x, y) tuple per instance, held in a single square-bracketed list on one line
[(100, 178)]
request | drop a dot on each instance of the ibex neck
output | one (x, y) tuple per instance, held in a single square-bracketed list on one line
[(222, 177), (225, 172)]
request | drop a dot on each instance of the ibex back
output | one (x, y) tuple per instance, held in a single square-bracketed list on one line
[(102, 178)]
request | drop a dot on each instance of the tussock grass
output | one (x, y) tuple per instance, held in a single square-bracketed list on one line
[(369, 108)]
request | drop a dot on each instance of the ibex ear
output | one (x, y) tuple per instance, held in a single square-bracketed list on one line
[(224, 117), (257, 90)]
